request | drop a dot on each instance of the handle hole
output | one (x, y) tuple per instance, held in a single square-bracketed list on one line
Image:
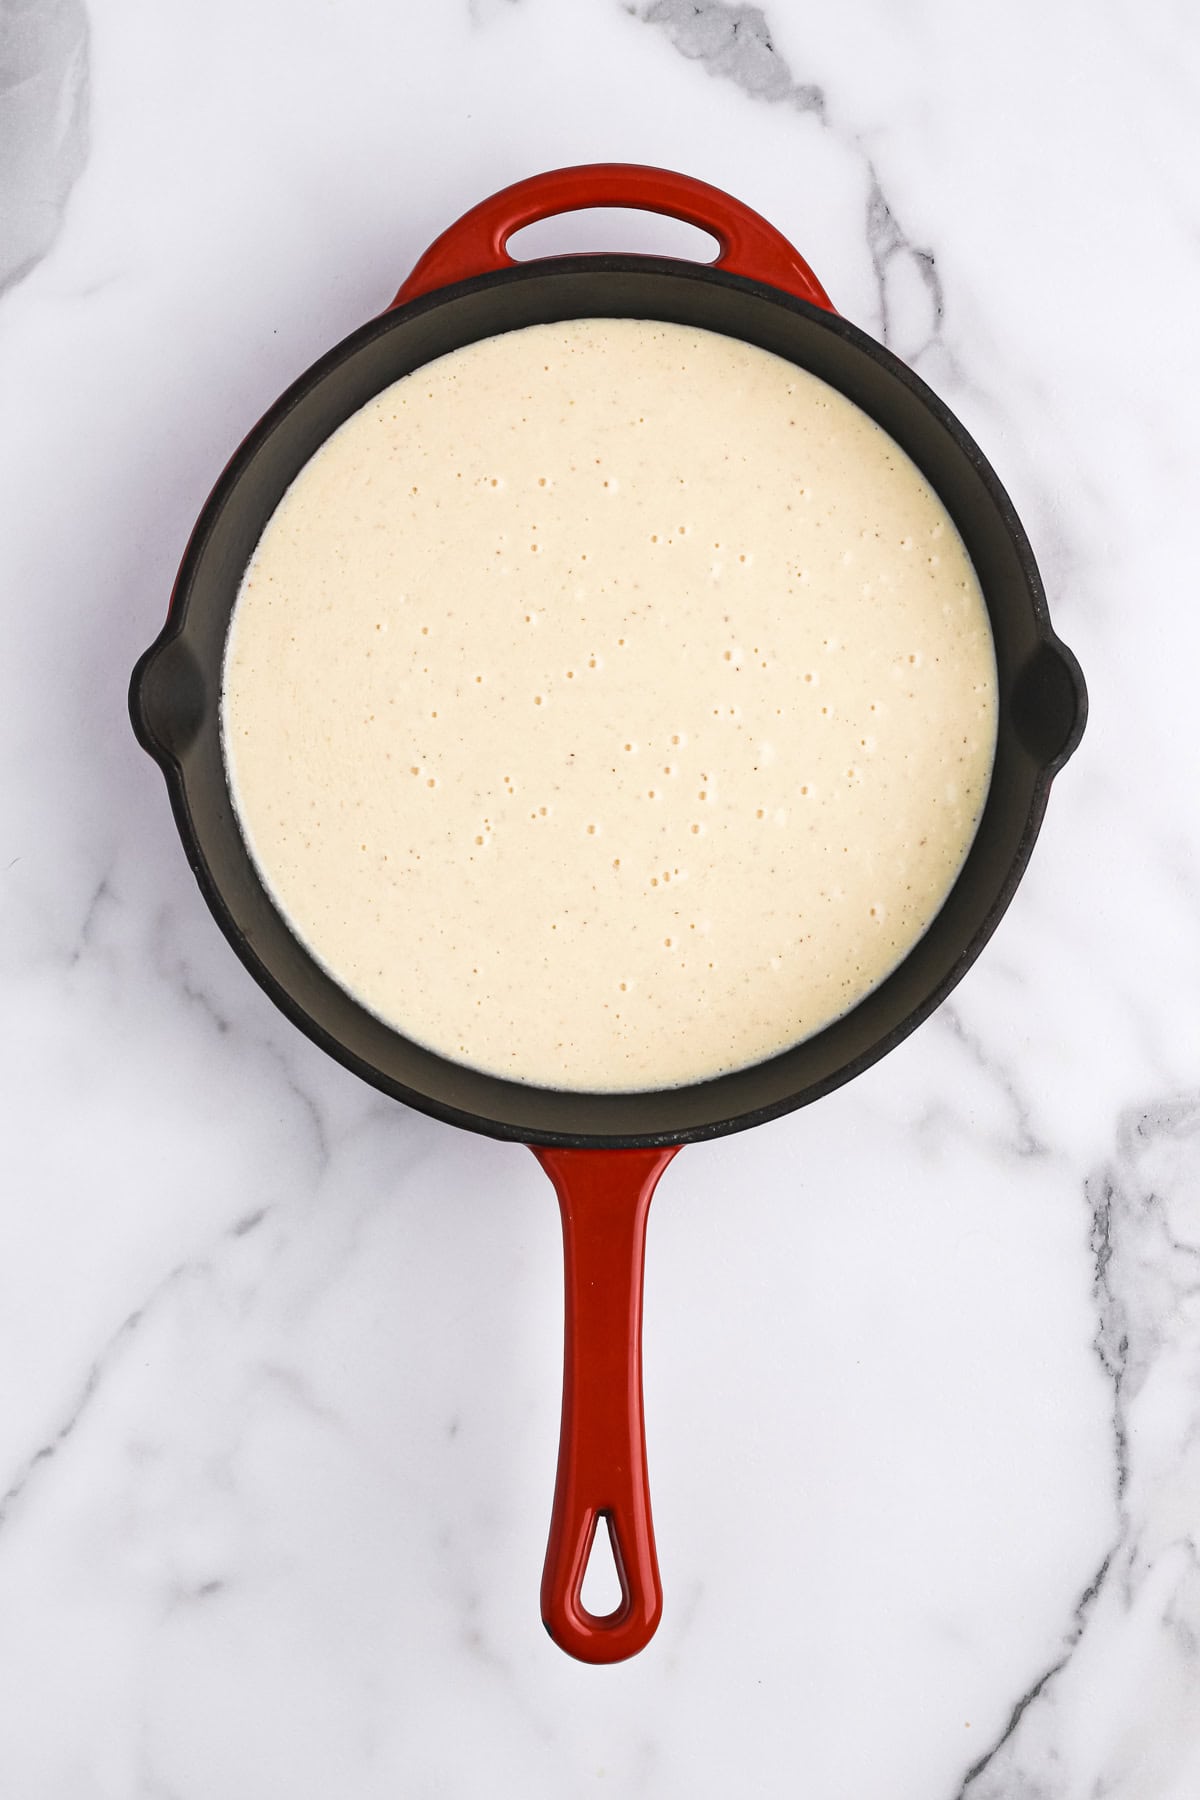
[(619, 228), (601, 1591)]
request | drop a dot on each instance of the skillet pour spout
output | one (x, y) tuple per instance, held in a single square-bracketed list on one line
[(605, 1151)]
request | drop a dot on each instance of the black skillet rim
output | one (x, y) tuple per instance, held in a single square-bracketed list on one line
[(168, 712)]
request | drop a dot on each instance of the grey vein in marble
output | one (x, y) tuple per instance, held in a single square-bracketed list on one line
[(1127, 1684), (1026, 1141), (967, 1789), (101, 894), (482, 12), (89, 1387), (110, 1353), (735, 43), (50, 1449), (44, 104), (173, 967), (896, 260)]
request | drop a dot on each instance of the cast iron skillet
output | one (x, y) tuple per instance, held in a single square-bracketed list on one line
[(605, 1152)]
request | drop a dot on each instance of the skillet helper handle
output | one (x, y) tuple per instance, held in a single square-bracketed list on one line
[(603, 1196), (477, 243)]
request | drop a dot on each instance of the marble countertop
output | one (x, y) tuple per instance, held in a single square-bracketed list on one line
[(282, 1359)]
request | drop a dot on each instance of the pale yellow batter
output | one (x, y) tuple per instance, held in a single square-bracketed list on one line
[(609, 705)]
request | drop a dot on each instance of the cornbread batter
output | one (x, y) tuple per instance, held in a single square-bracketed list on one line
[(609, 705)]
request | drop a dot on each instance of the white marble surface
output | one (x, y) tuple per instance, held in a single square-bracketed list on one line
[(280, 1359)]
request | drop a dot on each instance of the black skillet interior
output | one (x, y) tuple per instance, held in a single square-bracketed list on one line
[(175, 693)]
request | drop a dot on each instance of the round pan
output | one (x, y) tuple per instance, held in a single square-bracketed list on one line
[(605, 1151)]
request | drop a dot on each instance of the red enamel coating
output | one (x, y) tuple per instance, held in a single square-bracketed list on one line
[(604, 1196), (476, 244)]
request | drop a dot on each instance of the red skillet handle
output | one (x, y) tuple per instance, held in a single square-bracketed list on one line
[(604, 1196), (475, 245)]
